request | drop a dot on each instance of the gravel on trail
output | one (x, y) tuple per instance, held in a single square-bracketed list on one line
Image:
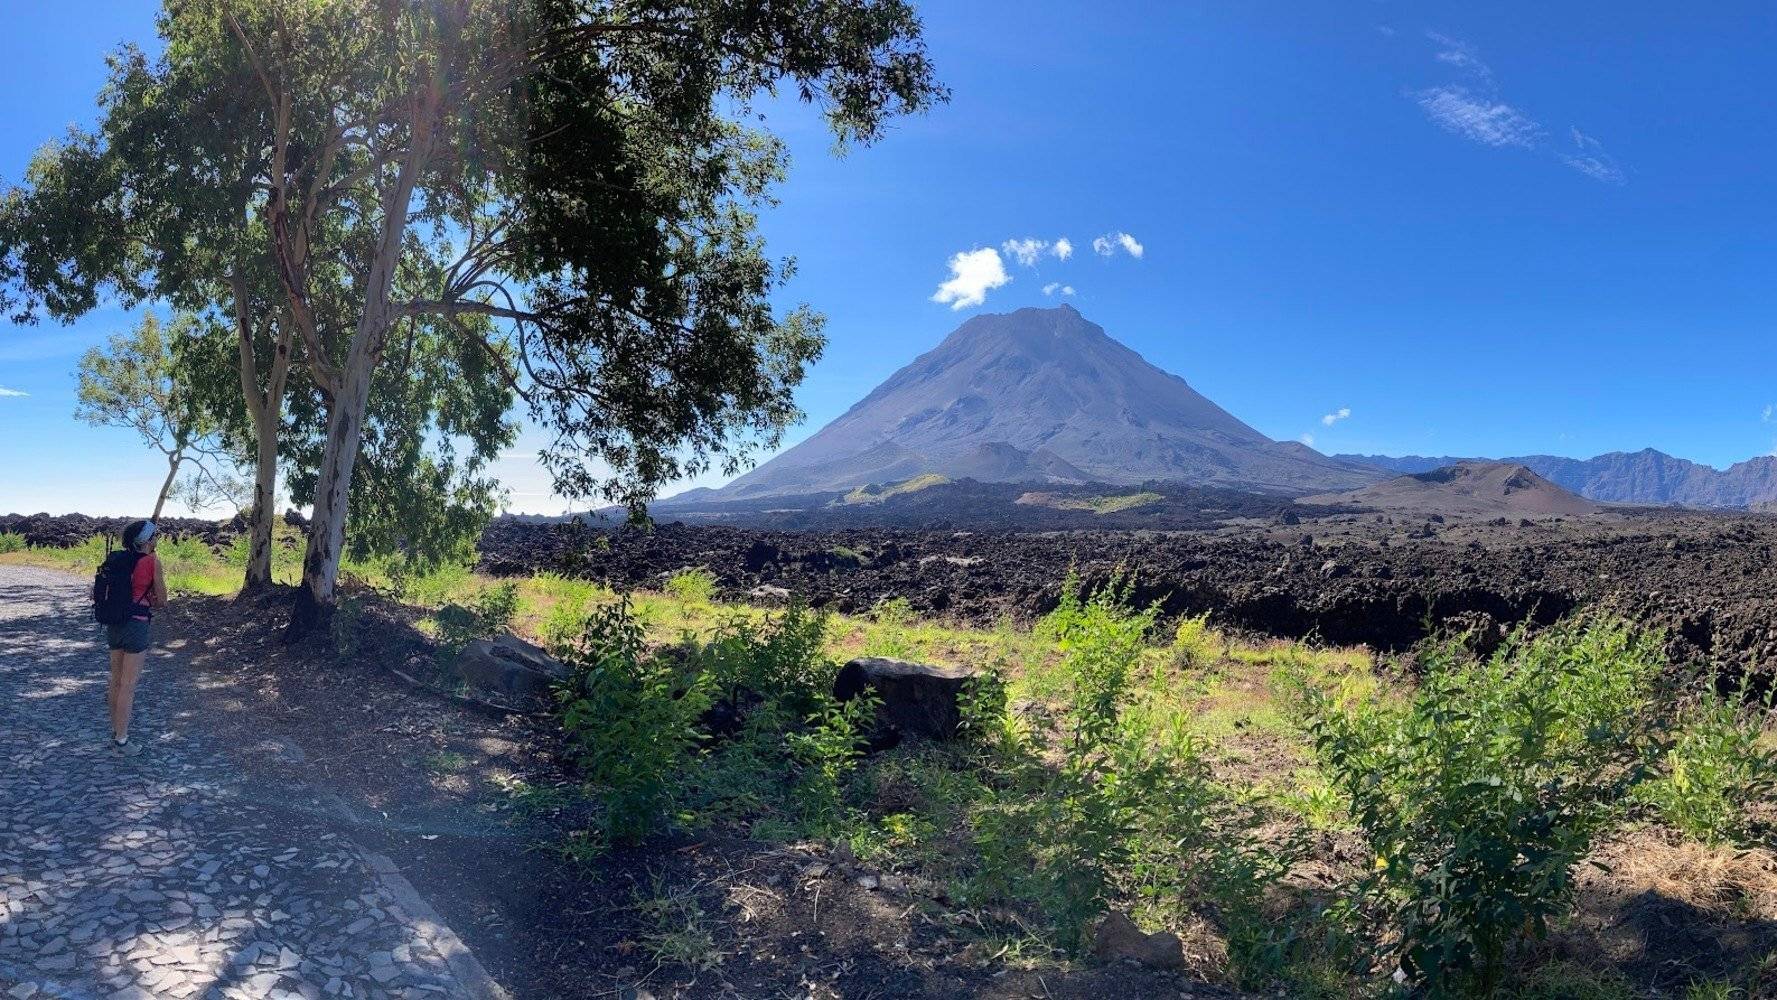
[(170, 874)]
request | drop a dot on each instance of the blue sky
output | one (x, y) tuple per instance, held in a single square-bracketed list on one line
[(1479, 229)]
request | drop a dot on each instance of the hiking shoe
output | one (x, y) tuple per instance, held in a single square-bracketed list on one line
[(126, 748)]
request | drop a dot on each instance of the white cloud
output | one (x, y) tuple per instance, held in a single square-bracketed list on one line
[(1334, 417), (14, 393), (1025, 251), (1770, 411), (1386, 31), (1108, 244), (1063, 248), (1307, 439), (1460, 54), (1055, 286), (973, 273), (1483, 119), (1589, 158)]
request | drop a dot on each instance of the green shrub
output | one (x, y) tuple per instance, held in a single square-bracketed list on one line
[(827, 751), (11, 541), (693, 586), (564, 624), (495, 608), (630, 719), (489, 615), (1715, 770), (781, 659), (1131, 808), (1195, 644), (1480, 793)]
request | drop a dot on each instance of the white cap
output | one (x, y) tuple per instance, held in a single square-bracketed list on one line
[(146, 533)]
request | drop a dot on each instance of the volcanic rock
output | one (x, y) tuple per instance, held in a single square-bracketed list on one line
[(508, 667), (918, 699)]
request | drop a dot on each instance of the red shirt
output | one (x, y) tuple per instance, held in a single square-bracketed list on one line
[(141, 582)]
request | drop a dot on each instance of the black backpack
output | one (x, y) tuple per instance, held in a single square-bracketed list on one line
[(114, 599)]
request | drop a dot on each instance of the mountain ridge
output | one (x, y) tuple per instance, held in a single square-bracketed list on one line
[(1647, 476)]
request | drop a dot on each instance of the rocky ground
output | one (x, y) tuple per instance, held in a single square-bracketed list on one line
[(1347, 577), (1386, 580)]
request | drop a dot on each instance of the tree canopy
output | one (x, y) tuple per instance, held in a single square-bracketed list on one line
[(564, 191)]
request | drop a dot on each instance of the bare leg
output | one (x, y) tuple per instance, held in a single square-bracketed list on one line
[(111, 687), (123, 701)]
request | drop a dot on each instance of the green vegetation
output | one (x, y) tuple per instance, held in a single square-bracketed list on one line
[(488, 615), (1179, 774), (11, 541), (198, 161), (1480, 793), (696, 585), (1096, 504), (1719, 765), (877, 494)]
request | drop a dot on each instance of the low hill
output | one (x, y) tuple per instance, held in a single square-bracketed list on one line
[(1467, 488)]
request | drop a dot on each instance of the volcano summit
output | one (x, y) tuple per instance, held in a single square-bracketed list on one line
[(1040, 396)]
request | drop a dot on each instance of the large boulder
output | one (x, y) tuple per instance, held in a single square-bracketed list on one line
[(918, 699), (511, 670), (1117, 938)]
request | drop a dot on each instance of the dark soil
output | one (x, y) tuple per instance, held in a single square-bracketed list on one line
[(1384, 580)]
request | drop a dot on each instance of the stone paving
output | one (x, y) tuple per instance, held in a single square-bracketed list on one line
[(165, 874)]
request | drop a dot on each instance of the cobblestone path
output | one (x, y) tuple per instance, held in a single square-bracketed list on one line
[(163, 875)]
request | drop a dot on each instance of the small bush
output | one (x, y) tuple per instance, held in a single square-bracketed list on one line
[(1480, 793), (693, 586), (11, 541), (630, 719), (1715, 770), (1131, 808), (490, 615), (781, 659), (1195, 644), (496, 607)]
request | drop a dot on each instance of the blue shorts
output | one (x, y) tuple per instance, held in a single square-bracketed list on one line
[(131, 636)]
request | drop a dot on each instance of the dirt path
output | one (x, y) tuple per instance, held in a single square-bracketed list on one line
[(169, 874)]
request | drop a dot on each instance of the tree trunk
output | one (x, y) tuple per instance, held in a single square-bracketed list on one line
[(166, 486), (351, 395), (265, 506), (265, 407), (327, 529)]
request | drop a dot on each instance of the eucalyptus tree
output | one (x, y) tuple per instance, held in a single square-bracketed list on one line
[(567, 186), (160, 202), (574, 170)]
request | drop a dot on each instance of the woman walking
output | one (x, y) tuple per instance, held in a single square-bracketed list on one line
[(128, 638)]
